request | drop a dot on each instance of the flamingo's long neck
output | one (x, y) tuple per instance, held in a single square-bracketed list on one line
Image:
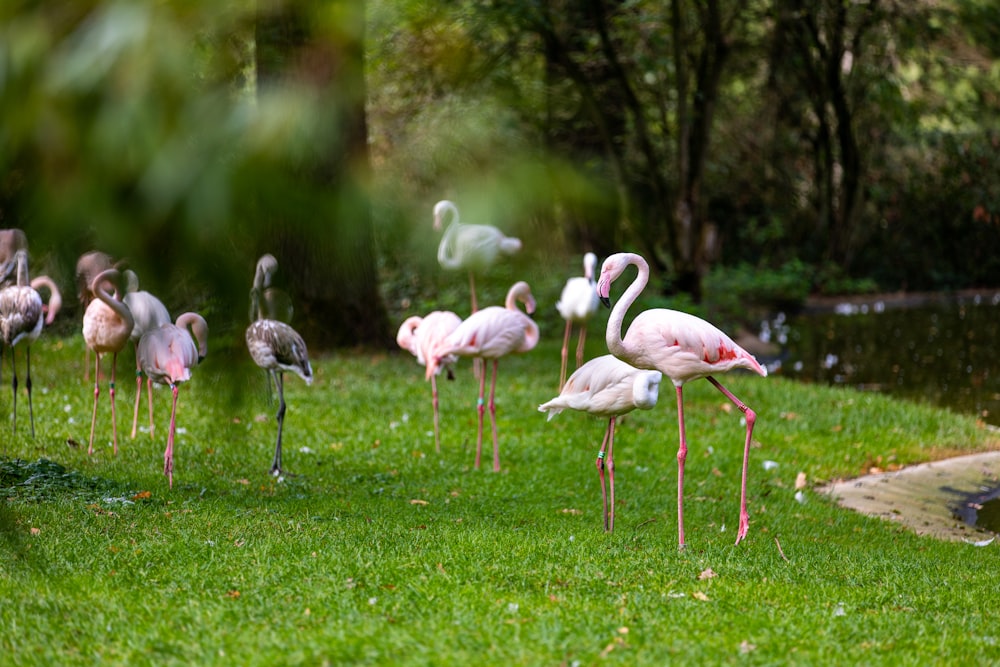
[(22, 268), (520, 292), (115, 304), (446, 247), (198, 329), (613, 334)]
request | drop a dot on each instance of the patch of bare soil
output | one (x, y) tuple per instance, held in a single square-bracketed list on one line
[(926, 498)]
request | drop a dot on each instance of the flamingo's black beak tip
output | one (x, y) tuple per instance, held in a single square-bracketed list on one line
[(606, 301)]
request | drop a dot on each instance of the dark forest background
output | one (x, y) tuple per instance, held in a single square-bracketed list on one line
[(751, 150)]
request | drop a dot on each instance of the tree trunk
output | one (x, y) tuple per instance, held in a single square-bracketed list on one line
[(319, 225)]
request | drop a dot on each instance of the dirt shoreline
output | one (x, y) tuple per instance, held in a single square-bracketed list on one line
[(925, 498)]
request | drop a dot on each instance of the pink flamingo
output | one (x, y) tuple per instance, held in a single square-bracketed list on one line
[(577, 305), (684, 348), (148, 313), (87, 267), (107, 324), (473, 248), (491, 333), (607, 387), (22, 314), (422, 336), (277, 347), (166, 355)]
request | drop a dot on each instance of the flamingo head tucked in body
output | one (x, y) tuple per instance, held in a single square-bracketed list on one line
[(520, 292)]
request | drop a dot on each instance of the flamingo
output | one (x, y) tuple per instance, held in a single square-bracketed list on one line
[(107, 325), (684, 348), (87, 267), (273, 303), (491, 333), (22, 314), (577, 305), (607, 387), (473, 248), (148, 313), (276, 347), (11, 240), (166, 355), (422, 336)]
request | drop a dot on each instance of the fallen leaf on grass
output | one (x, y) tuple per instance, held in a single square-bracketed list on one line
[(707, 573), (418, 501), (747, 647), (567, 510), (615, 643), (233, 595), (142, 495), (698, 595), (35, 531), (800, 481)]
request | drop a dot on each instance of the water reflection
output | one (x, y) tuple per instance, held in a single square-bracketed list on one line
[(942, 351)]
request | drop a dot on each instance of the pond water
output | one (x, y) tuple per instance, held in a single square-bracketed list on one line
[(943, 350)]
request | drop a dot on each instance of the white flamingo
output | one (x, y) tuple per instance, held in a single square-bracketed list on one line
[(577, 304), (607, 387), (472, 248), (684, 348)]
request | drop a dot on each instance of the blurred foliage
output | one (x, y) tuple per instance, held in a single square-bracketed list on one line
[(137, 127)]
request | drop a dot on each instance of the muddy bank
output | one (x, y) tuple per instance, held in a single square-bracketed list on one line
[(926, 498)]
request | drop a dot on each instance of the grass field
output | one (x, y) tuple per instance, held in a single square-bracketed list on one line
[(378, 550)]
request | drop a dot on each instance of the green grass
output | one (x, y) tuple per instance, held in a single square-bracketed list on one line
[(381, 551)]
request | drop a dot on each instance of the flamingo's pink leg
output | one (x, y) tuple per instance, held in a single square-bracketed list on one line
[(493, 416), (681, 457), (97, 392), (168, 454), (480, 409), (751, 418)]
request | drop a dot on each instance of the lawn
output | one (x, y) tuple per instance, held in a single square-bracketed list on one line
[(379, 550)]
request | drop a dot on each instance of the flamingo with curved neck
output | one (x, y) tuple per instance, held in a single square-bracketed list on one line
[(167, 354), (684, 348), (148, 313), (421, 336), (276, 347), (107, 325), (491, 333), (22, 315), (474, 248)]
